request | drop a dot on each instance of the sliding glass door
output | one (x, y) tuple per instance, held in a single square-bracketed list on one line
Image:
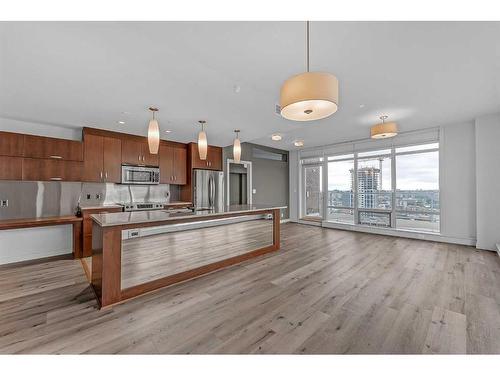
[(312, 190)]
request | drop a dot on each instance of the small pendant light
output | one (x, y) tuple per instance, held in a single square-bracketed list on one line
[(237, 147), (384, 129), (153, 133), (311, 95), (202, 141)]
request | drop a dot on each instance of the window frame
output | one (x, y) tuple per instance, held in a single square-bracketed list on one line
[(392, 154)]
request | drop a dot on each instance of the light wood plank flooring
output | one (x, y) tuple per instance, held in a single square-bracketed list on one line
[(325, 291)]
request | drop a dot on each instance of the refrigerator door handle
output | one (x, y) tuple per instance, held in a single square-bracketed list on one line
[(210, 191)]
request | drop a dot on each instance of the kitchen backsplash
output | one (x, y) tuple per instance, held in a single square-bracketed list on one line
[(25, 199)]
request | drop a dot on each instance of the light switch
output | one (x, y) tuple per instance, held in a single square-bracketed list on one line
[(254, 191)]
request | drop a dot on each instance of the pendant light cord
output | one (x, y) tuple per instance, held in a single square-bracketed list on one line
[(307, 45)]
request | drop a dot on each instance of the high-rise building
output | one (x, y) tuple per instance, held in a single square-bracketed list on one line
[(368, 186)]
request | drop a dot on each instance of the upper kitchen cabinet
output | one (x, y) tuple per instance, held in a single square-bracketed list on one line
[(136, 152), (51, 170), (102, 159), (52, 148), (213, 161), (11, 144), (173, 164)]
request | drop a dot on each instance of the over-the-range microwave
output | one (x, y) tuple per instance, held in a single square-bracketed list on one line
[(140, 175)]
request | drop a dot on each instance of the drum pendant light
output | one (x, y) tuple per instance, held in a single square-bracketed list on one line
[(202, 141), (237, 147), (153, 133), (310, 95), (384, 129)]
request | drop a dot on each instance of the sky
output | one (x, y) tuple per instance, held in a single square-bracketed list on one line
[(413, 172)]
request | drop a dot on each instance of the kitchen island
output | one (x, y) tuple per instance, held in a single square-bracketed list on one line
[(109, 260)]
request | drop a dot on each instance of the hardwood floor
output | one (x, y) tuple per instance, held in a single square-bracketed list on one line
[(325, 291)]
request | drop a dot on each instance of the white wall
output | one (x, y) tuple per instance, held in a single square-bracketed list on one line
[(293, 185), (36, 128), (17, 245), (458, 182), (487, 129)]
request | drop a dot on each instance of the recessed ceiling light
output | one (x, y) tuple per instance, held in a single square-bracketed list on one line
[(298, 143), (361, 106), (125, 113), (276, 137), (121, 122), (168, 131)]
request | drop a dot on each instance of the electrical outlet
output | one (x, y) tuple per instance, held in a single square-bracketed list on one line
[(88, 196), (98, 196), (4, 203)]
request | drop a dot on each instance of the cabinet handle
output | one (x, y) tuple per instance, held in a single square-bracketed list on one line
[(139, 157), (101, 175), (55, 157), (106, 175), (56, 178)]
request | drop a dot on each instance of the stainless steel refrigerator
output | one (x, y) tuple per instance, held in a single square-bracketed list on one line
[(208, 189)]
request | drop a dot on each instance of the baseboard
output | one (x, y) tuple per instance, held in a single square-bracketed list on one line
[(401, 233), (285, 221)]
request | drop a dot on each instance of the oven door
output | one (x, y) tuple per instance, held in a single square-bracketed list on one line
[(140, 175)]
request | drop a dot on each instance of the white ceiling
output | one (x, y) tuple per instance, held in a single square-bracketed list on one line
[(75, 74)]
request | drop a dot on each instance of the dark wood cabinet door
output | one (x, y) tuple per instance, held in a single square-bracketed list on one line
[(11, 168), (151, 160), (112, 159), (51, 170), (180, 166), (166, 164), (52, 148), (132, 152), (214, 158), (11, 144), (196, 162), (93, 158)]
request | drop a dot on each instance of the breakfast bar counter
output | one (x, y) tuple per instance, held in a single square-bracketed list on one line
[(107, 242)]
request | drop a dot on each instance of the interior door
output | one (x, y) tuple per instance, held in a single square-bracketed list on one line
[(312, 198), (112, 156)]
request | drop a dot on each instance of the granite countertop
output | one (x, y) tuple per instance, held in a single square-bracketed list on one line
[(140, 217)]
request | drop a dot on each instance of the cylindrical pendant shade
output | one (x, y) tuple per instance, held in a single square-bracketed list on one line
[(153, 136), (237, 150), (309, 96), (202, 145), (384, 130)]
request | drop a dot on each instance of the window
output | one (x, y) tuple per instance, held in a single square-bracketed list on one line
[(340, 199), (394, 187), (417, 191)]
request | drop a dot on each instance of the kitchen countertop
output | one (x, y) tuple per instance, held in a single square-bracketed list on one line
[(141, 217)]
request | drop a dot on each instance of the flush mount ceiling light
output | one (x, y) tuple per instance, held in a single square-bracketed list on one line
[(310, 95), (153, 133), (237, 147), (298, 143), (384, 129), (202, 141), (276, 137)]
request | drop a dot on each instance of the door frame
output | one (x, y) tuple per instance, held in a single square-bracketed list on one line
[(248, 166), (303, 198)]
